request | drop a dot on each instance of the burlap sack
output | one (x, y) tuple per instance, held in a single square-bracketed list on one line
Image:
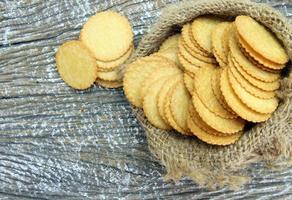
[(269, 141)]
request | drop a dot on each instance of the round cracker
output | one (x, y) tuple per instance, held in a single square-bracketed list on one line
[(189, 67), (217, 42), (169, 115), (203, 86), (76, 65), (216, 122), (201, 124), (156, 75), (236, 105), (247, 65), (112, 65), (108, 35), (248, 86), (271, 86), (188, 81), (179, 103), (264, 106), (163, 94), (136, 73), (209, 138), (260, 39), (217, 92), (150, 105), (225, 40), (109, 84), (257, 58), (170, 42), (187, 39), (202, 28)]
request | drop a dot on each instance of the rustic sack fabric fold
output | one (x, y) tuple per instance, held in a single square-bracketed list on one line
[(270, 141)]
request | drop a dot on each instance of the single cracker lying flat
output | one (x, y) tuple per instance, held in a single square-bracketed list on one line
[(264, 106), (76, 65), (150, 105), (237, 106), (257, 58), (112, 65), (186, 38), (108, 35), (137, 72), (156, 75), (170, 42), (216, 122), (217, 92), (179, 103), (260, 39), (247, 65), (217, 42), (272, 86), (209, 138), (169, 115), (202, 28), (203, 86), (109, 84), (163, 94), (248, 86), (188, 81), (201, 124)]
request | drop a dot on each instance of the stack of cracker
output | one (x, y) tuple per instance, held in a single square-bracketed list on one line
[(209, 80), (106, 42)]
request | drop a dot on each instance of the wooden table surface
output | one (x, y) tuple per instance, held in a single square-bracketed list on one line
[(58, 143)]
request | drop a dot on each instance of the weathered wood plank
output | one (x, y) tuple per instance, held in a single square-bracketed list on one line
[(58, 143)]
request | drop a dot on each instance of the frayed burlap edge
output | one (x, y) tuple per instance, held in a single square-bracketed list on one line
[(269, 142)]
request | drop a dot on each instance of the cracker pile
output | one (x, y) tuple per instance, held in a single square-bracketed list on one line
[(209, 80), (106, 42)]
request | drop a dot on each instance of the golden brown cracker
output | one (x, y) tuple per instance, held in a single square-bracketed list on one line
[(225, 39), (189, 67), (201, 124), (216, 122), (76, 65), (108, 35), (203, 86), (109, 84), (163, 94), (150, 105), (247, 65), (217, 42), (261, 40), (209, 138), (260, 105), (170, 53), (236, 104), (179, 103), (136, 73), (115, 75), (170, 42), (202, 28), (248, 86), (271, 86), (169, 115), (113, 65)]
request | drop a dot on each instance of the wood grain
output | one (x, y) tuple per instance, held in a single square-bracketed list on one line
[(58, 143)]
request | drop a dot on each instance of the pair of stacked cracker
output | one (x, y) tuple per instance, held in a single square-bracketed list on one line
[(106, 42), (209, 80)]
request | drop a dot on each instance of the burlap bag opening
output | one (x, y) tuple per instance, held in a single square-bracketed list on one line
[(268, 142)]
